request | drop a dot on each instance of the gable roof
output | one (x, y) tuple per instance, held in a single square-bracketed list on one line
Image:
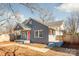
[(55, 23), (21, 26), (26, 21), (18, 27)]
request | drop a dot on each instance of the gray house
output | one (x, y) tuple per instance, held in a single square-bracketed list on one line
[(39, 31), (33, 31)]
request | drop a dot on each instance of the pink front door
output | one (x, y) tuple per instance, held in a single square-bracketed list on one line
[(28, 35)]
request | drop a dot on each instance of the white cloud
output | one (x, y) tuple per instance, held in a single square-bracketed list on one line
[(69, 7)]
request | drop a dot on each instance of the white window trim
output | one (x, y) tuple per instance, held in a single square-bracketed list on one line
[(38, 34), (35, 34)]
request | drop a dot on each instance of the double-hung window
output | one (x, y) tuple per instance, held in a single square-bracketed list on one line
[(38, 33)]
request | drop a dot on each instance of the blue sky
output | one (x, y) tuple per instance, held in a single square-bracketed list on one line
[(60, 11), (58, 14), (52, 7)]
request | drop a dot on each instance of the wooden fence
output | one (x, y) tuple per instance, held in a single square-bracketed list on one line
[(71, 38), (59, 37)]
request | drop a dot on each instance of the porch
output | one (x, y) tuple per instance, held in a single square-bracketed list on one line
[(22, 36)]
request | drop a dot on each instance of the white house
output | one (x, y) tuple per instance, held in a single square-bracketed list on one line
[(56, 28)]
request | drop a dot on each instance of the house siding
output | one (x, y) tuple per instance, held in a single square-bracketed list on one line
[(38, 26)]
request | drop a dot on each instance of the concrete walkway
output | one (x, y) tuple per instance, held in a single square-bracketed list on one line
[(22, 45)]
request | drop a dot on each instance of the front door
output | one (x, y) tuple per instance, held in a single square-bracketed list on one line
[(28, 35)]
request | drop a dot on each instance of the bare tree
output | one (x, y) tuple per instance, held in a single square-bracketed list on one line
[(44, 14), (7, 18), (72, 23)]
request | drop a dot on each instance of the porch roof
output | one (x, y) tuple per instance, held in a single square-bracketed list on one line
[(21, 27), (55, 23)]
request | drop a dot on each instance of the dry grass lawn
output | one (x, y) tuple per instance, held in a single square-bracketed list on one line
[(14, 50)]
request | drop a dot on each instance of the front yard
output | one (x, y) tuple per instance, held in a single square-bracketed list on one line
[(18, 50)]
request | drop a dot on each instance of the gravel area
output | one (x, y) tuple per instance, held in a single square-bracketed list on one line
[(67, 50)]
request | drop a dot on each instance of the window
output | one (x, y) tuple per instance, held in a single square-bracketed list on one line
[(38, 34), (51, 32)]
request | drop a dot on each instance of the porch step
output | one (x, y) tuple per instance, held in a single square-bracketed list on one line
[(22, 41)]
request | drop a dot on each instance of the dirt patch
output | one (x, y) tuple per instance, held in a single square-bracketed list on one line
[(18, 51), (27, 52), (2, 53), (9, 50), (21, 51)]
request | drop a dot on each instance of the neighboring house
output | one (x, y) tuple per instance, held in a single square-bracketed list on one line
[(56, 28)]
